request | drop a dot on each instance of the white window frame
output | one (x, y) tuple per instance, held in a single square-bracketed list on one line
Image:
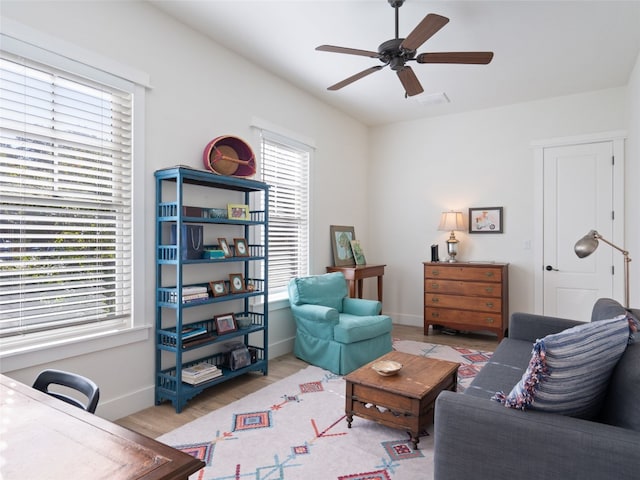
[(43, 347), (295, 142)]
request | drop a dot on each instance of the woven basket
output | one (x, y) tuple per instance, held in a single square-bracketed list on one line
[(230, 156)]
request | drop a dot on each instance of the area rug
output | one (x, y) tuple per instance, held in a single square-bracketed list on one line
[(296, 429)]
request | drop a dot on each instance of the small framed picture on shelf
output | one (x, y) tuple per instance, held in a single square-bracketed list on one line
[(358, 253), (485, 220), (241, 248), (224, 246), (225, 323), (237, 211), (218, 288), (236, 283)]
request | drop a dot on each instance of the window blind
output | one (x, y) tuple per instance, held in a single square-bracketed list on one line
[(285, 167), (65, 209)]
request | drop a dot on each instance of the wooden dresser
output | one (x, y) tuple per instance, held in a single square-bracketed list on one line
[(467, 296)]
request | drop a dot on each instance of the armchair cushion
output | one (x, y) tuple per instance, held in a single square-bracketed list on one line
[(328, 290), (354, 328)]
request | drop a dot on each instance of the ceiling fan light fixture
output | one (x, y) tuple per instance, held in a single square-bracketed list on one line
[(427, 99)]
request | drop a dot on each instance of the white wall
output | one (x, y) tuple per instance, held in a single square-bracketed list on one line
[(479, 159), (632, 181), (200, 91), (391, 183)]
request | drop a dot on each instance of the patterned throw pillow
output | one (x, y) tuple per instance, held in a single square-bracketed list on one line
[(569, 371)]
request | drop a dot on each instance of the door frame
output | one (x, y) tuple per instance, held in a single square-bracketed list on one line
[(617, 138)]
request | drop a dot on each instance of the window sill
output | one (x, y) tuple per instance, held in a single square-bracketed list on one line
[(19, 358)]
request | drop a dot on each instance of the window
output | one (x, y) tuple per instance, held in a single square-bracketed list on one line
[(284, 166), (66, 175)]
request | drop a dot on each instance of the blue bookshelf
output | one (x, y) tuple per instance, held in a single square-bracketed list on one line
[(183, 229)]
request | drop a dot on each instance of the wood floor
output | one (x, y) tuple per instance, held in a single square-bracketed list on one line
[(157, 420)]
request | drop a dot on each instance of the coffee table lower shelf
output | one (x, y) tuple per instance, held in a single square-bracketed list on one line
[(405, 400)]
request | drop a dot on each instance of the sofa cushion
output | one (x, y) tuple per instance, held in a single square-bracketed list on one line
[(606, 308), (328, 289), (569, 371)]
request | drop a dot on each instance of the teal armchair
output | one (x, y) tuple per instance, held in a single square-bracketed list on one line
[(336, 332)]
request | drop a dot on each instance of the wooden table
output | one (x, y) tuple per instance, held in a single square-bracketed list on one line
[(407, 399), (355, 275), (43, 437)]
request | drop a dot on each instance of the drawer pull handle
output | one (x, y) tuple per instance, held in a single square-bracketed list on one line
[(435, 273), (489, 289), (435, 285), (435, 314), (489, 274), (489, 320), (435, 300), (489, 304)]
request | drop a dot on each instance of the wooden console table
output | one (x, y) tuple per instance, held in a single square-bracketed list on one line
[(44, 437), (355, 275)]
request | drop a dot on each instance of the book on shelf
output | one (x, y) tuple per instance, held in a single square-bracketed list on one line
[(200, 372), (189, 332), (191, 297), (202, 379)]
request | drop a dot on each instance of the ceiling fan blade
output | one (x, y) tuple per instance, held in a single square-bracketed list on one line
[(428, 27), (478, 58), (350, 51), (409, 81), (355, 77)]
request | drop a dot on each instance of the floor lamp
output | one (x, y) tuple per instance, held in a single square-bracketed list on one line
[(588, 244)]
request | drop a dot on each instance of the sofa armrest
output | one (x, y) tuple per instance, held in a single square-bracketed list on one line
[(361, 306), (531, 327), (478, 438)]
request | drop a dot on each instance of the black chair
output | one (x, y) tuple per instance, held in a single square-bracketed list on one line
[(71, 380)]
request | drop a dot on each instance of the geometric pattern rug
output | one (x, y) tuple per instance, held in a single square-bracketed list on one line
[(296, 429)]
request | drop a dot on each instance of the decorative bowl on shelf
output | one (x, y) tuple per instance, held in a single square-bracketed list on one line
[(386, 368), (243, 322)]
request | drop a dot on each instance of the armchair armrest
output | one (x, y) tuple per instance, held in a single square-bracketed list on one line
[(531, 327), (500, 442), (316, 313), (361, 306)]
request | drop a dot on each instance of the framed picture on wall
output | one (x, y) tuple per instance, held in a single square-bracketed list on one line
[(485, 220), (341, 238)]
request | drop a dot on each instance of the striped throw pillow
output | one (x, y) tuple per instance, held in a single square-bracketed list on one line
[(569, 371)]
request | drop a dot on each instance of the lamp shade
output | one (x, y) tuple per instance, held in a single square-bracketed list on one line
[(451, 221), (587, 244)]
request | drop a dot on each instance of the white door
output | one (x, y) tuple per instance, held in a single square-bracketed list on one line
[(578, 196)]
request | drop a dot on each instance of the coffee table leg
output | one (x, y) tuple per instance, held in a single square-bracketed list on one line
[(414, 439)]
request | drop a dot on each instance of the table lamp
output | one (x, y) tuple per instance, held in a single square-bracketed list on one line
[(451, 221), (588, 244)]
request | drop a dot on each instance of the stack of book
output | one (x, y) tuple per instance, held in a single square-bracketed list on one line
[(199, 373), (191, 294)]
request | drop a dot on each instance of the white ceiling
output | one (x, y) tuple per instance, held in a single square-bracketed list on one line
[(542, 48)]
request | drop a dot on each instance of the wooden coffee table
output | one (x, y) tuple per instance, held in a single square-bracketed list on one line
[(405, 400)]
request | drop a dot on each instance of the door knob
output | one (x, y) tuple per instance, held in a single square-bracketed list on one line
[(548, 268)]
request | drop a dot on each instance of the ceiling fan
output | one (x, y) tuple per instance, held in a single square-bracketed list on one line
[(398, 51)]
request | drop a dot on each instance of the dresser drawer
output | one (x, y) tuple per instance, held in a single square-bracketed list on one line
[(453, 287), (481, 274), (482, 304), (453, 318)]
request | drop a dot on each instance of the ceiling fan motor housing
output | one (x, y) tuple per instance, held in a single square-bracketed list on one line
[(392, 54)]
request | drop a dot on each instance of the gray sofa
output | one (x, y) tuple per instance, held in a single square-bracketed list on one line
[(476, 437)]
